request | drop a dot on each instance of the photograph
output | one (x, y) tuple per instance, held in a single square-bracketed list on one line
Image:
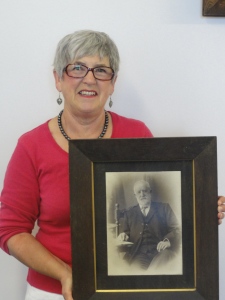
[(144, 235)]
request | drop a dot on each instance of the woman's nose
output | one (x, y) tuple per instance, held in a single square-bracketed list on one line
[(89, 78)]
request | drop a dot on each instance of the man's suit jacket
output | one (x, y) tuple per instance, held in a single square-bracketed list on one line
[(160, 218)]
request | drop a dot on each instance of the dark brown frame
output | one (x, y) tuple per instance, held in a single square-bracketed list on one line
[(197, 158), (214, 8)]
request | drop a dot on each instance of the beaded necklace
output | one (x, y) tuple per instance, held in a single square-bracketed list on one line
[(68, 138)]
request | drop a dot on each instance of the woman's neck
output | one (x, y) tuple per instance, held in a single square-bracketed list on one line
[(84, 126), (79, 128)]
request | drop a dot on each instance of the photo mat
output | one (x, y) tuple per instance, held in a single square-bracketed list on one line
[(136, 279)]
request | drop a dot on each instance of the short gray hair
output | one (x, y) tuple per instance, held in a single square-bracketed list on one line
[(85, 43), (144, 182)]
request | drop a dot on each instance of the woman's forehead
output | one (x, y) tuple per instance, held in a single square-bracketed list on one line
[(93, 59)]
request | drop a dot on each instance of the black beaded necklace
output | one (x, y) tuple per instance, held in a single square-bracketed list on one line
[(68, 138)]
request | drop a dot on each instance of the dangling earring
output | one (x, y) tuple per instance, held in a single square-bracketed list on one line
[(110, 102), (59, 100)]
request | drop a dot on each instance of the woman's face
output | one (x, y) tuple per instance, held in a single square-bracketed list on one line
[(85, 95)]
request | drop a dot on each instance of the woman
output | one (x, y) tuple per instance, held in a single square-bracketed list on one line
[(36, 185)]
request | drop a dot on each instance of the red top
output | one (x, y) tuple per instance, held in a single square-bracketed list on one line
[(36, 187)]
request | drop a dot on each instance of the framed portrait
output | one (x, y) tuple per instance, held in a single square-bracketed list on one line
[(214, 8), (169, 252)]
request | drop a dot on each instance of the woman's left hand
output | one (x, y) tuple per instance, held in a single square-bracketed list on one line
[(221, 208)]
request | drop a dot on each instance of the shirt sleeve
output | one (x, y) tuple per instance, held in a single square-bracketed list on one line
[(19, 201)]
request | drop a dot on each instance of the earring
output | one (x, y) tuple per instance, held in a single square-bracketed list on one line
[(59, 100), (110, 102)]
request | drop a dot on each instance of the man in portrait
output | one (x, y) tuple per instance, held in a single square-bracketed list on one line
[(153, 229)]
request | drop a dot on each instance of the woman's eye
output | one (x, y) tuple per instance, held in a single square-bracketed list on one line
[(100, 70), (77, 68)]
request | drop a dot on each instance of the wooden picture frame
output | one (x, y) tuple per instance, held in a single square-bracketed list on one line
[(214, 8), (195, 159)]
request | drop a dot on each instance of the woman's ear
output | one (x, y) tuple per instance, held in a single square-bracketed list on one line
[(57, 81), (113, 85), (114, 80)]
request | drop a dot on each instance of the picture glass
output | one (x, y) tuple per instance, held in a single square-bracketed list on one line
[(130, 247), (120, 197)]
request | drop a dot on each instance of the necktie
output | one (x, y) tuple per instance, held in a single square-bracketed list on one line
[(143, 210)]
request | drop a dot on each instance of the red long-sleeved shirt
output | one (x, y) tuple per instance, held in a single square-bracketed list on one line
[(36, 187)]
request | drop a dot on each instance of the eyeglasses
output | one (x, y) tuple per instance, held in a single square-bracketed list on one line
[(80, 71)]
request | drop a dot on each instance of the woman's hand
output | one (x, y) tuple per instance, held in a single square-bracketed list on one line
[(33, 254), (221, 209), (66, 282)]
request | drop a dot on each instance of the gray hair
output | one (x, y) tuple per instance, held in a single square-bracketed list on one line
[(144, 182), (85, 43)]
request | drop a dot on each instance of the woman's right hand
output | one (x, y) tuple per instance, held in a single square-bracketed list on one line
[(67, 285), (33, 254)]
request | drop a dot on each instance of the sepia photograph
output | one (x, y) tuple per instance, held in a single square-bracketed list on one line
[(144, 221)]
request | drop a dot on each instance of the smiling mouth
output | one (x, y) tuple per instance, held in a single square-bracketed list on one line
[(87, 93)]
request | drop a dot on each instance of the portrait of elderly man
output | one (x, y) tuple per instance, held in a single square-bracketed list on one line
[(153, 229)]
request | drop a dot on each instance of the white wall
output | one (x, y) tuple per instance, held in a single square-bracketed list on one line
[(172, 76)]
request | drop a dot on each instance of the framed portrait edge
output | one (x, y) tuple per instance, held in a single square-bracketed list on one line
[(88, 162), (213, 8)]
